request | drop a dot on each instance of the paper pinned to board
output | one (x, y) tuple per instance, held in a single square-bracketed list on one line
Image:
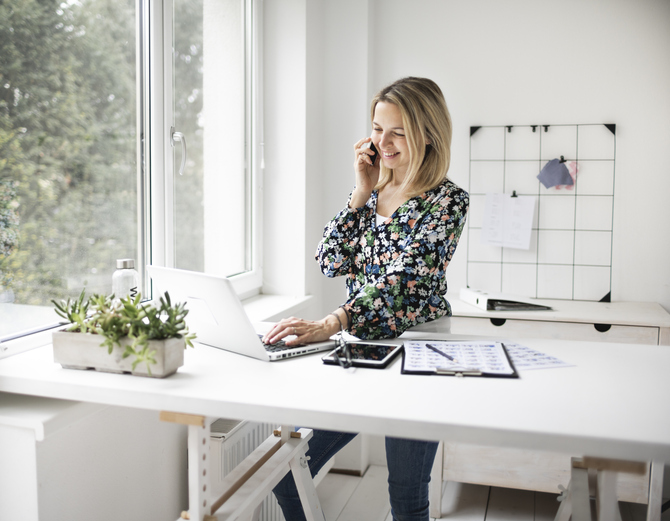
[(555, 173), (508, 221)]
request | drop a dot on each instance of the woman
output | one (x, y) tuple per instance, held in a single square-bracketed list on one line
[(393, 242)]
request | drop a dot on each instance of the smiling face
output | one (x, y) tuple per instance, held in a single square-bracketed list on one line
[(388, 135)]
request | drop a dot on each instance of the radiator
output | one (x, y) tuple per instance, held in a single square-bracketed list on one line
[(231, 442)]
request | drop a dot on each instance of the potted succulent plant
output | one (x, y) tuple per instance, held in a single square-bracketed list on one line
[(142, 338)]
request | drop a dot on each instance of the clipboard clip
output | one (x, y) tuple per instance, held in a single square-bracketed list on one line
[(458, 372)]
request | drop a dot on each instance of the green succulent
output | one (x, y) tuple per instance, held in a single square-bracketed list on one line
[(115, 319)]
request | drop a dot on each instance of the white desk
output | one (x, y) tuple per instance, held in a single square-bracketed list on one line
[(612, 404)]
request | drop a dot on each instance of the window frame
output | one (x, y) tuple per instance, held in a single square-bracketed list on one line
[(156, 189)]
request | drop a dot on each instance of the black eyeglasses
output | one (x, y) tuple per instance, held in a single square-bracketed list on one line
[(343, 353)]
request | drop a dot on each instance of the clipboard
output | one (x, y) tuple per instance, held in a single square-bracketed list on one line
[(457, 358)]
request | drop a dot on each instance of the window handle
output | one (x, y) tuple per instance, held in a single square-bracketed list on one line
[(178, 136)]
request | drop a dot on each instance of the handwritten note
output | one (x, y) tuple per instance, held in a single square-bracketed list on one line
[(508, 221)]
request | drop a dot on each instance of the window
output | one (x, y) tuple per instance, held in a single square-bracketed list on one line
[(89, 93), (209, 108)]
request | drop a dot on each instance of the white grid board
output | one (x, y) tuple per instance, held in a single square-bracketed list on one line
[(570, 255)]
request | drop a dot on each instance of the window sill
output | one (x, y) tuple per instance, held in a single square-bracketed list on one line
[(260, 308), (271, 308), (25, 343)]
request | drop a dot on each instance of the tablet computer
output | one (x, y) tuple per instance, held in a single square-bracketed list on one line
[(368, 354)]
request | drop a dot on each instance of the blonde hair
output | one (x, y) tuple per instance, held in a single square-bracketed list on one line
[(428, 130)]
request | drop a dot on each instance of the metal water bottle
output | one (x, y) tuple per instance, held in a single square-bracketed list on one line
[(126, 280)]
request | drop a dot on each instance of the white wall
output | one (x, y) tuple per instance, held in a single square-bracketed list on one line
[(284, 187), (341, 101), (316, 99), (513, 62)]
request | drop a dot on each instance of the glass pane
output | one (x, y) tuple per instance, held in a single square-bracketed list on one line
[(209, 109), (68, 173)]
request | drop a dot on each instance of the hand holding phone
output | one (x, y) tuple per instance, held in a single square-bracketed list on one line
[(367, 172), (375, 155)]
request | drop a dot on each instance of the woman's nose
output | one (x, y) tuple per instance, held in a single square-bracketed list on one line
[(385, 140)]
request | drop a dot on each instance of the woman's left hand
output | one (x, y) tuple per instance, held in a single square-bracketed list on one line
[(302, 331)]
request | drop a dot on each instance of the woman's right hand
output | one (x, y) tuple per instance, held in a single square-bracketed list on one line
[(367, 173)]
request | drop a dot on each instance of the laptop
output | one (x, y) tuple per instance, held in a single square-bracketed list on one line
[(217, 316)]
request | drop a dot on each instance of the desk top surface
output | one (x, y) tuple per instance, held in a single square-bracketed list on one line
[(612, 403)]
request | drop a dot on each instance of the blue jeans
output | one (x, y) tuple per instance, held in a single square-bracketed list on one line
[(409, 465)]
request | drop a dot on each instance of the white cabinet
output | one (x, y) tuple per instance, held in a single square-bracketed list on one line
[(622, 322), (76, 461)]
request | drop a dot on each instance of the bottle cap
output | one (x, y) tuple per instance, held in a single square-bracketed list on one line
[(123, 264)]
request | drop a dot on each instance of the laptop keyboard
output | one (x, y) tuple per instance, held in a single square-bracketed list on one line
[(277, 346)]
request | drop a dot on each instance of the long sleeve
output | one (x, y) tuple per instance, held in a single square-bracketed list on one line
[(396, 272), (340, 239)]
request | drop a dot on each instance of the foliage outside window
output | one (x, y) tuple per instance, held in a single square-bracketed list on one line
[(9, 230), (67, 145)]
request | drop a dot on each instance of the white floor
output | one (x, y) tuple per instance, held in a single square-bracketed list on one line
[(350, 498)]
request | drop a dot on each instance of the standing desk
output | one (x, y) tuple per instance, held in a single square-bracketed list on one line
[(610, 405)]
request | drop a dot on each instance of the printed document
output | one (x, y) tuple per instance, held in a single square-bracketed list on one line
[(508, 221), (438, 356)]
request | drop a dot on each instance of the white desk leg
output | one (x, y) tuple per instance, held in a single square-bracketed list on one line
[(655, 491), (303, 480), (198, 462), (306, 490), (435, 490), (198, 471), (607, 504), (286, 431), (565, 509), (247, 485), (254, 516), (576, 505), (579, 494)]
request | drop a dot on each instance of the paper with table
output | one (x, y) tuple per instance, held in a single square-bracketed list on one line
[(526, 359), (508, 221), (461, 358)]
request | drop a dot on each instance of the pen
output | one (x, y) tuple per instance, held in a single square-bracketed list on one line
[(433, 348)]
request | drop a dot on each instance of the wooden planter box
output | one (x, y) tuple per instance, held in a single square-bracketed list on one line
[(83, 351)]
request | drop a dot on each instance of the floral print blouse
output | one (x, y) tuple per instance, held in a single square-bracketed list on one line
[(395, 272)]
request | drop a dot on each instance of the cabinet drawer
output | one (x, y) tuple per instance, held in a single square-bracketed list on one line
[(524, 469), (513, 328)]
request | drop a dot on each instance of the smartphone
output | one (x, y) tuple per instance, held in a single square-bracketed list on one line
[(365, 354), (372, 147)]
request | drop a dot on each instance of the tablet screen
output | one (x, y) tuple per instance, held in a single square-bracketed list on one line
[(371, 351), (368, 355)]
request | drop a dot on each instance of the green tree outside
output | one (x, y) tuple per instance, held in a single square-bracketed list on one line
[(67, 143)]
